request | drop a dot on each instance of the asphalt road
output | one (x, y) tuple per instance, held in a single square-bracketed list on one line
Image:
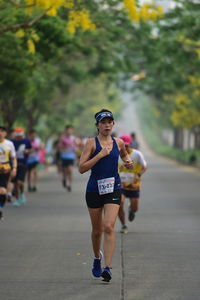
[(45, 248)]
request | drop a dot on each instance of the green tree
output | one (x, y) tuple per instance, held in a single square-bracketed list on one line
[(49, 61), (171, 62)]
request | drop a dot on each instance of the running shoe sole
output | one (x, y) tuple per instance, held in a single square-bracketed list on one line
[(106, 276), (124, 231)]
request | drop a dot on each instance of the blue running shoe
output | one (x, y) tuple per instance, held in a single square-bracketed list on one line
[(124, 229), (106, 274), (22, 199), (97, 270), (16, 203)]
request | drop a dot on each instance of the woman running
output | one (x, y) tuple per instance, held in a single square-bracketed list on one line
[(103, 192)]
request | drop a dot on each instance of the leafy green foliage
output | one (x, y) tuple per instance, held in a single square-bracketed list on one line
[(171, 55), (43, 65)]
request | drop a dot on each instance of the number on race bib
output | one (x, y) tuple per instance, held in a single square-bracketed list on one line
[(106, 185)]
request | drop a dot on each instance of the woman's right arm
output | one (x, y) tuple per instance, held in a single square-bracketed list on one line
[(85, 162)]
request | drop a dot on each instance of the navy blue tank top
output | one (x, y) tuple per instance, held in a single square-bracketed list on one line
[(106, 167)]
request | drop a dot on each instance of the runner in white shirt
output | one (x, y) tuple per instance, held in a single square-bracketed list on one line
[(130, 182), (7, 159)]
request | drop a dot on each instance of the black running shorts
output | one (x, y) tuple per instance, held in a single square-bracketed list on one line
[(32, 165), (94, 200), (21, 173), (4, 177), (67, 162)]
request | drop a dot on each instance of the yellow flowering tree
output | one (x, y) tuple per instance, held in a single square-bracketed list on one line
[(78, 15), (185, 115), (146, 12), (47, 45)]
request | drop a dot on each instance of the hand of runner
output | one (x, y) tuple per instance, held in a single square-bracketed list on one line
[(128, 164), (105, 151), (13, 172)]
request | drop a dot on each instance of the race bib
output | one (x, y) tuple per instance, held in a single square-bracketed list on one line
[(20, 151), (127, 177), (106, 185), (2, 158)]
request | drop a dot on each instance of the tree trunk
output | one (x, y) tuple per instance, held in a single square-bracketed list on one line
[(178, 138), (197, 138), (32, 119)]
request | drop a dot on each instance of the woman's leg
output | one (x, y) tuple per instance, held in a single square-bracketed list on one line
[(34, 176), (69, 171), (133, 208), (134, 204), (96, 220), (29, 178), (121, 213), (110, 216)]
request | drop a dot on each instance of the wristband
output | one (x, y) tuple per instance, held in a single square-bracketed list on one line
[(101, 154)]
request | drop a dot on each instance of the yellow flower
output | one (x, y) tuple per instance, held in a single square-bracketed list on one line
[(80, 19), (52, 12), (35, 37), (20, 33), (77, 18), (198, 52), (145, 13), (131, 7), (69, 4), (31, 46), (186, 117), (181, 99), (195, 81), (144, 16)]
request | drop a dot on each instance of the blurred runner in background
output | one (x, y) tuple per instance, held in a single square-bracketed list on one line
[(130, 182), (22, 148), (57, 156), (7, 155), (134, 142), (67, 148), (33, 161), (10, 137)]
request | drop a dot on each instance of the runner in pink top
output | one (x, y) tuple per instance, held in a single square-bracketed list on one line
[(33, 161), (67, 145)]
